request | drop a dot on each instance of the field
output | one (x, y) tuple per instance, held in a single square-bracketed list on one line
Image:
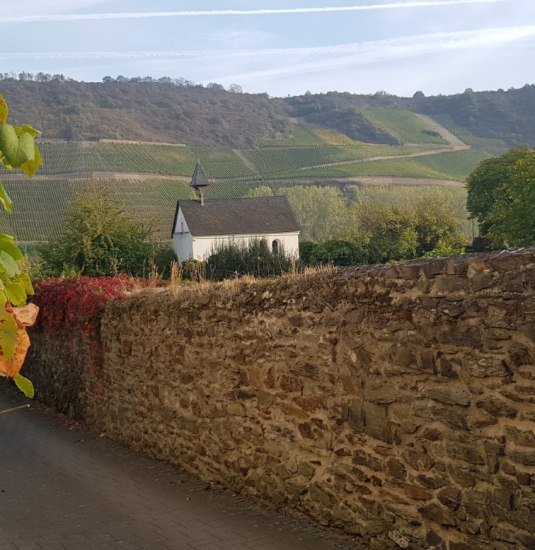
[(404, 125), (457, 164), (466, 135)]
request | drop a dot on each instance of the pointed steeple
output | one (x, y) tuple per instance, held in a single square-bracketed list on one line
[(199, 181)]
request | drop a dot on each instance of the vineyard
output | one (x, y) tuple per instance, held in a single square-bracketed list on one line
[(41, 205), (222, 163), (87, 157), (147, 179), (409, 168)]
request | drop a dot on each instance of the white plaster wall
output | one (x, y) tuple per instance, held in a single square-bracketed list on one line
[(202, 247), (182, 241)]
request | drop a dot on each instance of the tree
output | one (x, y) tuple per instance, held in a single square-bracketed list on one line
[(485, 185), (387, 233), (437, 228), (235, 89), (17, 150), (512, 217), (320, 211), (99, 239)]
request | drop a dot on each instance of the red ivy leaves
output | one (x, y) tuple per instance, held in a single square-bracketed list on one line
[(78, 303)]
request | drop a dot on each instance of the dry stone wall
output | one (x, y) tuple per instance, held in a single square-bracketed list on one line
[(395, 402)]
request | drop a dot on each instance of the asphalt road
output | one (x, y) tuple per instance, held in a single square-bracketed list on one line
[(63, 488)]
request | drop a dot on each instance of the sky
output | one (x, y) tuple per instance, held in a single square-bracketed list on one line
[(281, 47)]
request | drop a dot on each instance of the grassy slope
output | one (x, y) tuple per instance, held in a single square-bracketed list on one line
[(403, 125)]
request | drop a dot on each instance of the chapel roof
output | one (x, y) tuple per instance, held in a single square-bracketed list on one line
[(243, 216)]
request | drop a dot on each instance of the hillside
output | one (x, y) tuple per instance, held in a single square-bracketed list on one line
[(195, 115), (141, 141), (156, 112)]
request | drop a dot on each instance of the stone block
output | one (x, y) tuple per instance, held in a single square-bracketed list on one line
[(450, 496), (438, 514), (454, 417), (497, 407), (417, 460), (371, 419), (466, 453), (449, 395), (481, 281), (527, 458), (451, 283), (396, 469), (362, 458)]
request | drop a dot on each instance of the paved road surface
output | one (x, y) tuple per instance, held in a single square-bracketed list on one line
[(62, 488)]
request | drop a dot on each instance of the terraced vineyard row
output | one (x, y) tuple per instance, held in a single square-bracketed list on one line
[(271, 162), (222, 163), (83, 157), (41, 206)]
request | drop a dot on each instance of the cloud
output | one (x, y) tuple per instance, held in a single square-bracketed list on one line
[(317, 58), (301, 61), (43, 18)]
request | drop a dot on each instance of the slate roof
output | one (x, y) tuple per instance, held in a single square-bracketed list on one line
[(199, 178), (247, 216)]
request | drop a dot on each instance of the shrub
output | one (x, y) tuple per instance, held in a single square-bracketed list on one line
[(232, 260)]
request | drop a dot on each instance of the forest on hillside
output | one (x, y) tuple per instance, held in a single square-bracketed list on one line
[(179, 111)]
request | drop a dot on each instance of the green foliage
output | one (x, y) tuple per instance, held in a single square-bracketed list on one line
[(231, 260), (162, 256), (487, 183), (17, 150), (389, 233), (193, 270), (335, 252), (319, 210), (511, 220), (261, 191), (99, 239), (24, 385)]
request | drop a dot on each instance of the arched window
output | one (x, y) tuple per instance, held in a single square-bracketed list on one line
[(275, 246)]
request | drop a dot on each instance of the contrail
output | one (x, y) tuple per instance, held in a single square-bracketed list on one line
[(351, 53), (256, 12)]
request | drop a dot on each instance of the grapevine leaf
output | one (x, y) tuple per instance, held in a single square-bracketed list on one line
[(26, 282), (30, 166), (26, 149), (24, 385), (8, 334), (30, 130), (3, 297), (8, 264), (9, 143), (5, 201), (7, 244), (16, 294), (17, 144), (4, 110)]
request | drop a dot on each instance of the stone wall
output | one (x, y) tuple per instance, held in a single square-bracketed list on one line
[(396, 402)]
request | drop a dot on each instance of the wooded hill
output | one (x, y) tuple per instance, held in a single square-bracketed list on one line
[(195, 115)]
